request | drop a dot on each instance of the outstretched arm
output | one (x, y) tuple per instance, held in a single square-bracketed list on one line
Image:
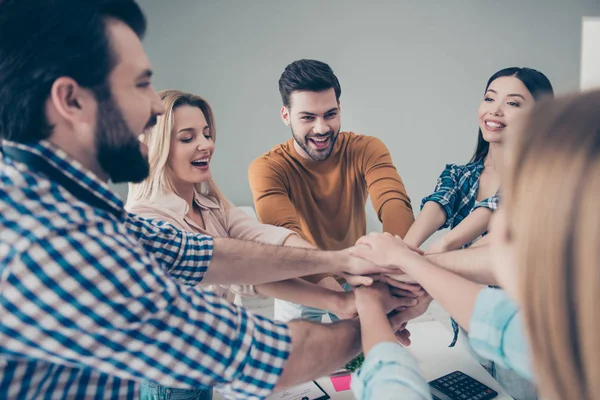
[(431, 218), (470, 228)]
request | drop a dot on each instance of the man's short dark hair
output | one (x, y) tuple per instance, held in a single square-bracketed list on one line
[(310, 75), (43, 40)]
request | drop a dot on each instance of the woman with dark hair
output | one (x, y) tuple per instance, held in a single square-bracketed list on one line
[(466, 195)]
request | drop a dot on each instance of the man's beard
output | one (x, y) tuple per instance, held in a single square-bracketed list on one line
[(315, 154), (119, 153)]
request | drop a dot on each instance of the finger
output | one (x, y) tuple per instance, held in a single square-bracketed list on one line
[(406, 293), (358, 280), (403, 293), (388, 234), (403, 302), (399, 277), (403, 337), (409, 287)]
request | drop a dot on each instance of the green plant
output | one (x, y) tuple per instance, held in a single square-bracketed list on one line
[(355, 363)]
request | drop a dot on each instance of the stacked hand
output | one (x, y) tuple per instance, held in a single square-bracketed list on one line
[(395, 303)]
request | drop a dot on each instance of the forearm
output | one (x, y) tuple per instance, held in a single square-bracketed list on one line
[(297, 241), (473, 264), (431, 218), (375, 328), (455, 294), (308, 294), (469, 229), (397, 217), (319, 349), (244, 262)]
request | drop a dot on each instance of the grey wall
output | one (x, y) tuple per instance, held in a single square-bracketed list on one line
[(412, 72)]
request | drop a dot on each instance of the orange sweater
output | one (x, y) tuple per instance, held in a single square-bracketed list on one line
[(324, 201)]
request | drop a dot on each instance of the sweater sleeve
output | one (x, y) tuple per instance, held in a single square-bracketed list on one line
[(388, 195), (271, 198)]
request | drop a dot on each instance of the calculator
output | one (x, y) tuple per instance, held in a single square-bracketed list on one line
[(460, 386)]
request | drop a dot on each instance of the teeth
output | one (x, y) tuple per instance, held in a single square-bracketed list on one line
[(320, 140), (201, 160), (492, 124)]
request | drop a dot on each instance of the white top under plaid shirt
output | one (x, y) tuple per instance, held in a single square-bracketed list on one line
[(89, 305)]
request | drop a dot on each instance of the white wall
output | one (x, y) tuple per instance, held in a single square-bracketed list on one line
[(412, 72), (590, 53)]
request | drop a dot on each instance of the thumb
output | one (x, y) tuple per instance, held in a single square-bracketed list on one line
[(360, 251), (358, 280)]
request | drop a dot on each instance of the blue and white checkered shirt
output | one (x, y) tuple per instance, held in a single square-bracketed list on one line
[(456, 191), (89, 305)]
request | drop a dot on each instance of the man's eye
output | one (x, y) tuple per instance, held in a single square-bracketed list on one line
[(143, 84)]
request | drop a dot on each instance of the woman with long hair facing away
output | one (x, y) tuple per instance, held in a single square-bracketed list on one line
[(544, 241)]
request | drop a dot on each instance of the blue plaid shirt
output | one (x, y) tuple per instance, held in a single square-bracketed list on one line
[(456, 192), (89, 305)]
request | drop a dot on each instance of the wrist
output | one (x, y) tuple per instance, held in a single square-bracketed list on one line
[(367, 306), (343, 303)]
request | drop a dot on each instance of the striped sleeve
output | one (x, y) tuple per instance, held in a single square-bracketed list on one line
[(446, 193), (106, 305), (186, 254)]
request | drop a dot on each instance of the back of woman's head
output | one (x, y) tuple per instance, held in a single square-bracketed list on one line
[(551, 195), (159, 145), (536, 83)]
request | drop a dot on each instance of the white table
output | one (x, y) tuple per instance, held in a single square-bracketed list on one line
[(430, 347)]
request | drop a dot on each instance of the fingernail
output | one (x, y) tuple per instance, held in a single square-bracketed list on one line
[(413, 302)]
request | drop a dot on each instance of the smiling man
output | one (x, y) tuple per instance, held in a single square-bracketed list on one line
[(94, 300), (317, 183)]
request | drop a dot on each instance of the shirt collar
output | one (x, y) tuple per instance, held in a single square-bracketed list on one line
[(172, 202), (73, 170)]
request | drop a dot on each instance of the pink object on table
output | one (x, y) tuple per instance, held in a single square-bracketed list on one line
[(341, 382)]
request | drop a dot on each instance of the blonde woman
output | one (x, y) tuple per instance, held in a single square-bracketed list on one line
[(546, 255), (180, 190)]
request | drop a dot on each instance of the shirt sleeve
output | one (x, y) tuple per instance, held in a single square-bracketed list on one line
[(387, 191), (489, 203), (389, 373), (497, 332), (242, 226), (271, 199), (185, 254), (106, 304), (446, 193)]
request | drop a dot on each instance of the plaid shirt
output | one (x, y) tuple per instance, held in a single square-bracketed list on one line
[(456, 192), (89, 305)]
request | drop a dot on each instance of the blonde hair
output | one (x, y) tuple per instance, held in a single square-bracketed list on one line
[(159, 145), (551, 196)]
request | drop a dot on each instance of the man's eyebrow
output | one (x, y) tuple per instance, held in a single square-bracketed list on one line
[(313, 114)]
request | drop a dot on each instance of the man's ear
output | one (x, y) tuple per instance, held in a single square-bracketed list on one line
[(72, 102), (285, 115)]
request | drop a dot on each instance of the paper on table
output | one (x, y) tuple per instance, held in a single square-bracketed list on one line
[(306, 391)]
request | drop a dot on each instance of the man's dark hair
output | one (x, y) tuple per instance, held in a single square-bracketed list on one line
[(43, 40), (310, 75)]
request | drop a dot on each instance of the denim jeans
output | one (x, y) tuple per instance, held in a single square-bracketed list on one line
[(154, 391)]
